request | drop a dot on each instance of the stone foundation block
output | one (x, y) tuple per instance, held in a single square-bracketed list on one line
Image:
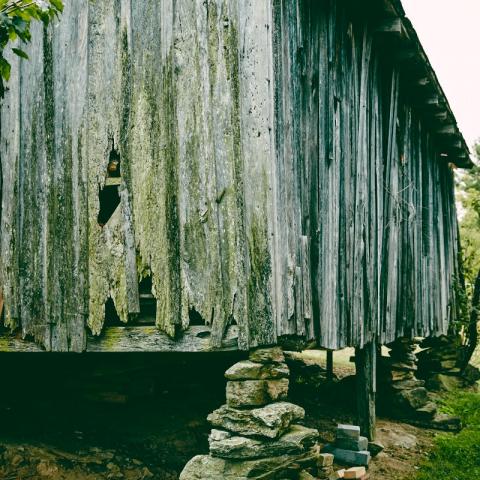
[(400, 376), (296, 440), (206, 467), (248, 370), (408, 384), (269, 422), (255, 393), (267, 355), (415, 398), (404, 367)]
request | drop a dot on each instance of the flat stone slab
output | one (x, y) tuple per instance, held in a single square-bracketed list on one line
[(348, 431), (248, 370), (375, 448), (255, 393), (267, 355), (408, 384), (400, 376), (443, 421), (269, 421), (296, 440), (358, 445), (404, 366), (206, 467), (348, 457), (414, 398), (304, 475)]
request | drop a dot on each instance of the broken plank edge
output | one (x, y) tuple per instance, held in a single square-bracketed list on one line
[(137, 339), (150, 339)]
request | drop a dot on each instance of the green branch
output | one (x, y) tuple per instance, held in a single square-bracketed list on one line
[(15, 21)]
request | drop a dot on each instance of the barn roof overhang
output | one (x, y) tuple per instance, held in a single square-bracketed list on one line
[(399, 38)]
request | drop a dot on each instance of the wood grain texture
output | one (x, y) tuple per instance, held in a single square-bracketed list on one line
[(366, 374), (277, 176), (370, 185), (139, 339), (150, 339)]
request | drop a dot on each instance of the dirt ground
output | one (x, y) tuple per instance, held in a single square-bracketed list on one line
[(54, 426)]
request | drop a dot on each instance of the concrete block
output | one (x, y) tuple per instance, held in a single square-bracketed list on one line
[(354, 473), (348, 431), (337, 475), (351, 444), (348, 457)]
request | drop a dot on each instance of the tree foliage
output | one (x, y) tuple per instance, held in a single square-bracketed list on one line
[(468, 186), (15, 20)]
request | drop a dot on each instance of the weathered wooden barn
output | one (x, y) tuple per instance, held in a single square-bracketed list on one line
[(196, 175)]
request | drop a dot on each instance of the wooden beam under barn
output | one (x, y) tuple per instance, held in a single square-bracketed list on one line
[(366, 366)]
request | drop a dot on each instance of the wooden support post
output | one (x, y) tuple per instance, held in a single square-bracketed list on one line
[(329, 365), (366, 366)]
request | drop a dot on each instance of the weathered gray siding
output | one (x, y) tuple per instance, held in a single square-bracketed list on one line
[(273, 176), (363, 179), (44, 200), (182, 90)]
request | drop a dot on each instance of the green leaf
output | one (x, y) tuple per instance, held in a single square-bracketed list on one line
[(5, 69), (58, 4), (15, 20), (20, 53), (20, 25)]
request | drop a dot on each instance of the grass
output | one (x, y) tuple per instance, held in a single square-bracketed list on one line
[(456, 457)]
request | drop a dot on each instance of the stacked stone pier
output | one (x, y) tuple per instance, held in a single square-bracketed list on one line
[(405, 393), (256, 434), (439, 362)]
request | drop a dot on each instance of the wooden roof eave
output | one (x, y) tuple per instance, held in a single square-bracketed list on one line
[(429, 95)]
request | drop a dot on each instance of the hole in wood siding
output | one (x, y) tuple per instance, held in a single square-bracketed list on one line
[(109, 197), (148, 302), (109, 201), (111, 316), (195, 318), (113, 168)]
